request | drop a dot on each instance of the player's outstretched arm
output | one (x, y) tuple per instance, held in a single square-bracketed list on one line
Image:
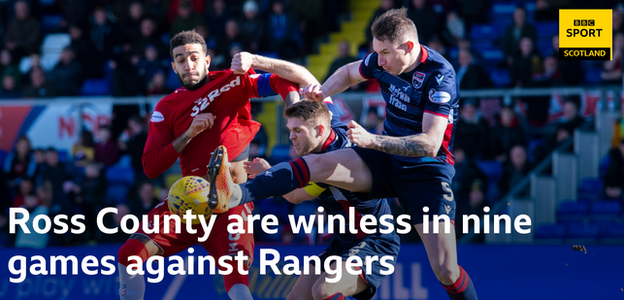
[(243, 61), (341, 80), (425, 144)]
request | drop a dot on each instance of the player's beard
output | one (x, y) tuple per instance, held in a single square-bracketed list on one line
[(193, 86)]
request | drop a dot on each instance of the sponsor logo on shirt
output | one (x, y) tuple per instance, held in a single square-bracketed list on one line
[(202, 103), (157, 117), (439, 96)]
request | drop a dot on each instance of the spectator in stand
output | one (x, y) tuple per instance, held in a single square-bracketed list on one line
[(427, 21), (134, 143), (187, 19), (571, 117), (311, 20), (617, 19), (614, 176), (106, 151), (26, 189), (60, 177), (612, 69), (33, 239), (91, 198), (515, 32), (9, 67), (344, 57), (150, 64), (104, 34), (9, 88), (232, 36), (544, 11), (471, 75), (217, 17), (39, 86), (569, 68), (174, 6), (67, 74), (22, 34), (148, 37), (552, 75), (280, 30), (83, 152), (91, 61), (526, 65), (20, 163), (384, 6), (35, 64), (454, 29), (126, 81), (472, 131), (466, 171), (506, 133), (514, 170), (75, 12), (472, 11), (145, 200), (251, 26), (157, 85), (132, 24)]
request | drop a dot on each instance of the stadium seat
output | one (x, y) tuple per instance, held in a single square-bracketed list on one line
[(483, 31), (25, 65), (547, 29), (582, 233), (116, 194), (55, 42), (50, 23), (63, 155), (604, 164), (94, 87), (592, 76), (605, 210), (120, 175), (500, 77), (590, 188), (572, 211), (550, 233), (49, 60), (613, 234)]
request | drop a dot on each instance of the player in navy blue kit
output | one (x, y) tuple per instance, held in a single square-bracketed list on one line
[(311, 131), (412, 160)]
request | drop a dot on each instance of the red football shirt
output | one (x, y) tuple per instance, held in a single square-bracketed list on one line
[(226, 96)]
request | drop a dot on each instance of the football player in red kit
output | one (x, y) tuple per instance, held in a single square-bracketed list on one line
[(211, 109)]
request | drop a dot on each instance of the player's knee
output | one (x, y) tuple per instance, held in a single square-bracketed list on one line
[(446, 274), (130, 248)]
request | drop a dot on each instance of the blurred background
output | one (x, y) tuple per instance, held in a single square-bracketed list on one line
[(535, 135)]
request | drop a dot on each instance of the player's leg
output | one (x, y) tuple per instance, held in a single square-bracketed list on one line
[(343, 168), (348, 285), (221, 242), (302, 290), (146, 245), (433, 185)]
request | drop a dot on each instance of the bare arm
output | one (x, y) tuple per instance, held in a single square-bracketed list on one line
[(425, 144), (243, 61), (297, 196), (342, 79)]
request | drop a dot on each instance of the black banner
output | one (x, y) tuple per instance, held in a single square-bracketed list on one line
[(584, 54)]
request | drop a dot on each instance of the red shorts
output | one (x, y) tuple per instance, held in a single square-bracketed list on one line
[(219, 243)]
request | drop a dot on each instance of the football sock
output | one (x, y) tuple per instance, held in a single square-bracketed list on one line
[(132, 287), (462, 289), (240, 292), (276, 181), (337, 296)]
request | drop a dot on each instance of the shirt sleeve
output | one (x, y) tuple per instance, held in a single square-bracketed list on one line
[(158, 154), (441, 92), (267, 84), (368, 66)]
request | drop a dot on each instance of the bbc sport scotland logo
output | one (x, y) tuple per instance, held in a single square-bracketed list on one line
[(585, 34)]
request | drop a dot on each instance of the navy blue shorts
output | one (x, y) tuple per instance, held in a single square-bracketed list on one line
[(415, 184), (371, 245)]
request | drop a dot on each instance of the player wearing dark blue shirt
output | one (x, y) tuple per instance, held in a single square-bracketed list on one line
[(311, 132), (411, 160)]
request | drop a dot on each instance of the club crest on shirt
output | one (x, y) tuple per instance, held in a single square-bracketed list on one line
[(417, 79)]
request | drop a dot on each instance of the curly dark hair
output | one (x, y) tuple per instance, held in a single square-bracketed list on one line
[(187, 37)]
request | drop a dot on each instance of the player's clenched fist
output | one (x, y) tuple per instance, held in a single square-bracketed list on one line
[(312, 92), (359, 136), (242, 62), (200, 123), (255, 167)]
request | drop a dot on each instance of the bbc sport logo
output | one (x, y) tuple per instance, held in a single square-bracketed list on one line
[(585, 34)]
